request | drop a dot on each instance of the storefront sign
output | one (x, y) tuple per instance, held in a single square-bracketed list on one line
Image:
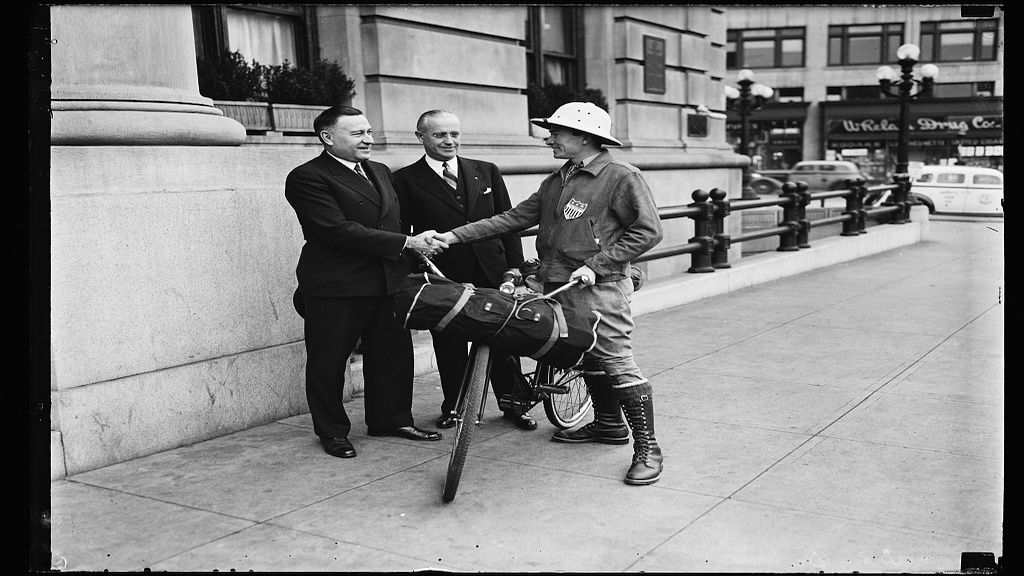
[(856, 144), (879, 144), (884, 126), (654, 65)]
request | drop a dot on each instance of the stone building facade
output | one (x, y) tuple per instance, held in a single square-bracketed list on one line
[(173, 249)]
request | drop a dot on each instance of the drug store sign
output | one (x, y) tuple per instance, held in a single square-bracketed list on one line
[(867, 127)]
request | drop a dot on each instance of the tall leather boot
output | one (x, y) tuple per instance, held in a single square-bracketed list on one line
[(647, 458), (608, 426)]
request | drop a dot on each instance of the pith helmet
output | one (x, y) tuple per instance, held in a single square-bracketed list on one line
[(582, 116)]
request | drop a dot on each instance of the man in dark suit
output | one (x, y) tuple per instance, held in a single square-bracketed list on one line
[(439, 192), (348, 272)]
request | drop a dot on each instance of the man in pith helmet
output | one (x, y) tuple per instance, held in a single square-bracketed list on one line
[(595, 215)]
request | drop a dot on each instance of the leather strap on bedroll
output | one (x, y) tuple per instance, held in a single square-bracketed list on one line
[(520, 325)]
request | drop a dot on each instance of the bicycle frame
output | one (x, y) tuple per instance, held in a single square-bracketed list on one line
[(472, 400)]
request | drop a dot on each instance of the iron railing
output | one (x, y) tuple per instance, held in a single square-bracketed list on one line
[(709, 247)]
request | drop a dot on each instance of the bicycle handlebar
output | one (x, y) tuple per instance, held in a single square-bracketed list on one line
[(563, 287), (433, 267), (509, 280)]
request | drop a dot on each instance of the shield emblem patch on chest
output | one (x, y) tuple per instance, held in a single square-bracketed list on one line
[(574, 209)]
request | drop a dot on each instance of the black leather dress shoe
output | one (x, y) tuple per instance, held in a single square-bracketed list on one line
[(523, 421), (410, 432), (338, 447), (447, 420)]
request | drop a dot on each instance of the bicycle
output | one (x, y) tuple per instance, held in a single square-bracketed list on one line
[(563, 393)]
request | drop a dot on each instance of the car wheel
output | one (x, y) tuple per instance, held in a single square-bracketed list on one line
[(762, 188)]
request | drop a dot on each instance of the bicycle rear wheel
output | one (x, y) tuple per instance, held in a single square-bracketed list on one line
[(564, 409), (474, 384)]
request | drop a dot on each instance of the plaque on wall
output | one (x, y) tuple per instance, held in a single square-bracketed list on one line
[(654, 65), (696, 125)]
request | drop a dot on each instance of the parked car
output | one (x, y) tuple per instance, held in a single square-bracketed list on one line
[(819, 175), (957, 190)]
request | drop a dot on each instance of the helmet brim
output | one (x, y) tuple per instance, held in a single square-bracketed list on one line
[(546, 124)]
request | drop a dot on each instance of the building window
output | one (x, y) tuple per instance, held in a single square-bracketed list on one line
[(268, 34), (863, 44), (554, 46), (789, 95), (959, 40), (765, 48), (868, 92), (962, 89)]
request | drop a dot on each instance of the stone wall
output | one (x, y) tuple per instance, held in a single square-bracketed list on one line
[(172, 247)]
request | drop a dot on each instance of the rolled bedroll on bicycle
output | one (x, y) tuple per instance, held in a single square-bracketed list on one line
[(515, 320)]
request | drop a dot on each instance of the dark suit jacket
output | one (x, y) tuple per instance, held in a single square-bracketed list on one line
[(353, 233), (427, 203)]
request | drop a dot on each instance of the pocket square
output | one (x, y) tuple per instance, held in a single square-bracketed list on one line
[(487, 191)]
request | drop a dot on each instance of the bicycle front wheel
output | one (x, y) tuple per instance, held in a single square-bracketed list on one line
[(474, 385), (567, 409)]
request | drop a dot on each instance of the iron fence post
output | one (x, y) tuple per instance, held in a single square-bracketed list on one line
[(803, 224), (902, 198), (851, 227), (720, 255), (861, 190), (703, 229), (787, 240)]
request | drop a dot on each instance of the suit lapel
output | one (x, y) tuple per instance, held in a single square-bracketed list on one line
[(351, 180), (381, 190), (469, 179), (428, 180)]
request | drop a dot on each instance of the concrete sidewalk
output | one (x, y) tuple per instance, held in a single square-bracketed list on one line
[(849, 418)]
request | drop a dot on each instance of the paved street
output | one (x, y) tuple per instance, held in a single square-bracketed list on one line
[(846, 419)]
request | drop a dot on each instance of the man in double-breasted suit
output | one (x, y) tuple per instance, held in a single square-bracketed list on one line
[(442, 191), (348, 271)]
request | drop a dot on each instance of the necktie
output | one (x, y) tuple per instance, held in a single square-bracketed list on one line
[(449, 176), (359, 170), (568, 173)]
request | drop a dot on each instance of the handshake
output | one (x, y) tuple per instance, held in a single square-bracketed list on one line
[(430, 242)]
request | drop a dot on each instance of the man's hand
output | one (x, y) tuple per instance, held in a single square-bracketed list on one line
[(446, 238), (585, 274), (426, 243)]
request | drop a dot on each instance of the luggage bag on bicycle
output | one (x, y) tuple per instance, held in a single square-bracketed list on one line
[(522, 324)]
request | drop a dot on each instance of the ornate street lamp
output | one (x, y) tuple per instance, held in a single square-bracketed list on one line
[(901, 86), (749, 98)]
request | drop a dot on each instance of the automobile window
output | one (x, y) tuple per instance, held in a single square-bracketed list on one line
[(925, 178), (948, 178), (827, 168), (987, 179), (804, 168)]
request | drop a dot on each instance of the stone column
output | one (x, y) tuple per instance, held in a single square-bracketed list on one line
[(126, 75)]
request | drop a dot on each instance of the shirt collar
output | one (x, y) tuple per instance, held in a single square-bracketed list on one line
[(589, 159), (347, 163), (435, 165), (586, 162)]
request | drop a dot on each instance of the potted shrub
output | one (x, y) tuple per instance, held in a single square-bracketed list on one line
[(237, 89), (280, 97), (298, 95)]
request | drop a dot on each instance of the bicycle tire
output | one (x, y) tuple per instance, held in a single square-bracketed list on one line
[(475, 382), (569, 409)]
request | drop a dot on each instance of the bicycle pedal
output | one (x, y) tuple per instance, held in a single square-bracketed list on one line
[(553, 389)]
